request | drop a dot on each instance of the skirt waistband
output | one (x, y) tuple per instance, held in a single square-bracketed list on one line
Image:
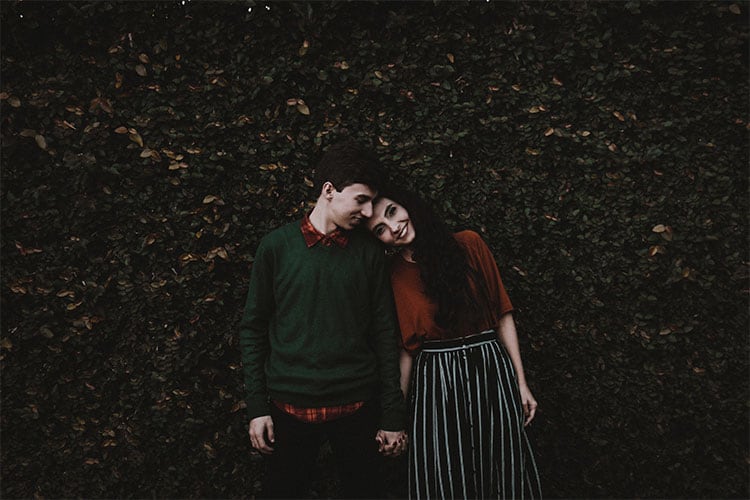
[(460, 342)]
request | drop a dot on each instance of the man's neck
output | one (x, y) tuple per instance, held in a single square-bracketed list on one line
[(320, 221)]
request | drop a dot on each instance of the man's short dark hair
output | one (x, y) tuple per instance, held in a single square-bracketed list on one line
[(346, 163)]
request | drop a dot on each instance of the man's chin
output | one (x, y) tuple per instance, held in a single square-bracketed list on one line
[(347, 226)]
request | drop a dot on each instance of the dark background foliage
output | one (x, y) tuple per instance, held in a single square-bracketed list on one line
[(601, 149)]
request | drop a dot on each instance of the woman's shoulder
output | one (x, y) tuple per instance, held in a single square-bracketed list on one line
[(468, 237), (473, 244)]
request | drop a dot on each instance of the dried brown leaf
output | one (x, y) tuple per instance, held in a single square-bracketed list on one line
[(75, 305), (656, 249), (136, 138), (302, 108), (106, 105)]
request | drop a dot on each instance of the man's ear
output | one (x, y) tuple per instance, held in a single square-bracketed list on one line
[(327, 190)]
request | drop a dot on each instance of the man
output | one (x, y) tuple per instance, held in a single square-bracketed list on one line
[(318, 339)]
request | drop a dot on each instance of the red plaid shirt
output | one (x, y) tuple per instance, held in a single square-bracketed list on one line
[(323, 413), (313, 236)]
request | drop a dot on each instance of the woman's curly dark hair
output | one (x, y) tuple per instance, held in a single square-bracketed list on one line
[(442, 263)]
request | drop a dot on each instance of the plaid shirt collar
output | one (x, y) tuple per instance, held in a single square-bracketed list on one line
[(312, 236)]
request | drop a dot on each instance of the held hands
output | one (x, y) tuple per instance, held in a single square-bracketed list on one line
[(529, 404), (392, 443), (261, 434)]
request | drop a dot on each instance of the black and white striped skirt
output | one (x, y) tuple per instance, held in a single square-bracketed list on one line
[(467, 437)]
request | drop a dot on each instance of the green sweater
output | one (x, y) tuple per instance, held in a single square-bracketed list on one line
[(319, 326)]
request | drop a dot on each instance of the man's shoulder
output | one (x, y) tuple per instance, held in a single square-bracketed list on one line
[(284, 231), (281, 236), (361, 238)]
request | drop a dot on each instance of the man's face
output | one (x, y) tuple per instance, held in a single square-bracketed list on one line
[(350, 206)]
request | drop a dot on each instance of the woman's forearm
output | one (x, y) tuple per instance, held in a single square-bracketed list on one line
[(506, 332), (405, 362)]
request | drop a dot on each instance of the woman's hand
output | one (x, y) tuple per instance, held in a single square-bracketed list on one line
[(529, 404), (392, 444)]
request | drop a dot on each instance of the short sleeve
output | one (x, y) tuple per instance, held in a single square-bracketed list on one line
[(483, 261)]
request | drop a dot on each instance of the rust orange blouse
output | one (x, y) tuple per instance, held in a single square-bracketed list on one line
[(416, 312)]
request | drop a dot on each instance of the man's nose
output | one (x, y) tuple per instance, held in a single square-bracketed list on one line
[(367, 210)]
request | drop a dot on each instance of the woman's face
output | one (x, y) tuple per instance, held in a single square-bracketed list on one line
[(390, 223)]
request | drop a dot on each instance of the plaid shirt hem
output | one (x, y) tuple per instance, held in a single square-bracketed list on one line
[(320, 414)]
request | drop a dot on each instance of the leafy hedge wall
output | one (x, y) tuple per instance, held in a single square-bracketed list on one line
[(600, 148)]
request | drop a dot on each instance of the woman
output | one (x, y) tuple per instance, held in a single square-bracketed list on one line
[(469, 397)]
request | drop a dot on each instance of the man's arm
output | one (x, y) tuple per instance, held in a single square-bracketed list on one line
[(254, 345), (386, 347), (394, 443)]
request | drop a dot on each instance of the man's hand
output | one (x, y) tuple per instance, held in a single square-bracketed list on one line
[(261, 434), (391, 443)]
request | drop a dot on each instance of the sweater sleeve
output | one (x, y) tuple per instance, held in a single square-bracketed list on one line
[(254, 344), (386, 345)]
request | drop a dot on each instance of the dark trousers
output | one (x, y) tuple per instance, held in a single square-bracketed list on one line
[(289, 468)]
